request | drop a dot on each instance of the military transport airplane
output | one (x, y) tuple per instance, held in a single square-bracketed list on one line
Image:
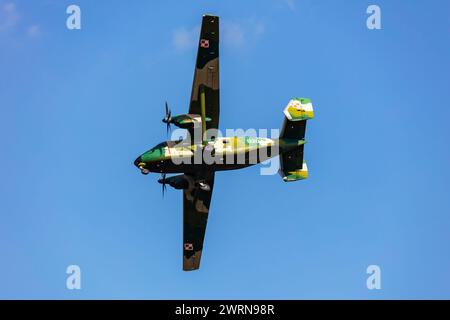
[(197, 174)]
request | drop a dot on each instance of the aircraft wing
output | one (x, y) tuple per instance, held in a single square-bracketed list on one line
[(206, 74), (195, 216), (205, 86)]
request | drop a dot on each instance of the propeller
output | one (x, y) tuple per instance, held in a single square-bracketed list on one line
[(167, 118), (163, 182)]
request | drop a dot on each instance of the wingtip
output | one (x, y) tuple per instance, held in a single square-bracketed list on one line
[(208, 15), (193, 262), (188, 270)]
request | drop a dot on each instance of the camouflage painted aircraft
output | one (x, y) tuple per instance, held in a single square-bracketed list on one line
[(188, 156)]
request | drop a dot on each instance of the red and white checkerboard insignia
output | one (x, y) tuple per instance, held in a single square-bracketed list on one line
[(188, 246), (204, 43)]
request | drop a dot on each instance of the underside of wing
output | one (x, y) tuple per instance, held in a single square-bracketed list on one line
[(206, 74), (196, 202)]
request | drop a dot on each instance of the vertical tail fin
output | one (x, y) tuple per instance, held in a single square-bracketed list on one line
[(297, 112)]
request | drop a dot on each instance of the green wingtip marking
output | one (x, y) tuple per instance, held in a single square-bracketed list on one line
[(303, 100)]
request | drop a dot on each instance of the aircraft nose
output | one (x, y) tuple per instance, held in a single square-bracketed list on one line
[(138, 161), (141, 165)]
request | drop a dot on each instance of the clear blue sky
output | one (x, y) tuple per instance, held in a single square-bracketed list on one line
[(77, 107)]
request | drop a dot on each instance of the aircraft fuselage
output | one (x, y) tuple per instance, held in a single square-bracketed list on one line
[(224, 153)]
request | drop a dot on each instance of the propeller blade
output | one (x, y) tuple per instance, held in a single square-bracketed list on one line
[(167, 118), (167, 128), (163, 182), (168, 112)]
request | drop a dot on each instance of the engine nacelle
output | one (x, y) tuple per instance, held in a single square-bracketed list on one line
[(179, 182), (188, 121), (182, 182)]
